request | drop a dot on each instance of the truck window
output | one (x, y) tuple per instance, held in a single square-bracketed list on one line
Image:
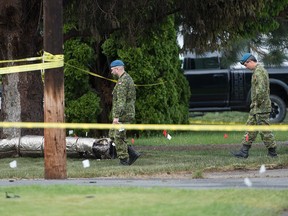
[(201, 63)]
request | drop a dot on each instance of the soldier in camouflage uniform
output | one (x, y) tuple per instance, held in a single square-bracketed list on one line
[(123, 112), (260, 108)]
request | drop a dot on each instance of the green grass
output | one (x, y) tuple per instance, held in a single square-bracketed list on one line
[(229, 117), (208, 137), (219, 117), (192, 153), (87, 200), (155, 160), (201, 137)]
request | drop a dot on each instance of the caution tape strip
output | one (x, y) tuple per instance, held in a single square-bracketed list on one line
[(49, 61), (46, 57), (115, 81), (93, 74), (32, 67), (21, 60), (102, 126)]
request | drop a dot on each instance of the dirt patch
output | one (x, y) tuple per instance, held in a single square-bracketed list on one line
[(235, 174)]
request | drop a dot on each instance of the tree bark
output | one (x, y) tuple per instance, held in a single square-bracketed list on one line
[(22, 97)]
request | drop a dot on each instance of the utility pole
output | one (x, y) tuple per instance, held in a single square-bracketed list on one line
[(54, 138)]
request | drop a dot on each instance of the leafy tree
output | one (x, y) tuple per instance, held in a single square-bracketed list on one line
[(162, 91), (276, 42), (134, 31), (206, 25), (82, 103), (228, 22), (271, 48)]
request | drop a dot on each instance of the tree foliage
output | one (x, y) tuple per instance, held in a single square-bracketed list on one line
[(213, 24), (138, 31), (82, 103), (270, 48), (162, 91), (276, 42), (142, 33), (205, 24)]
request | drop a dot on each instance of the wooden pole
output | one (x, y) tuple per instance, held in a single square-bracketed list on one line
[(54, 138)]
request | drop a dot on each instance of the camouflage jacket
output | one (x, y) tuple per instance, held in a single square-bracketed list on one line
[(124, 97), (260, 91)]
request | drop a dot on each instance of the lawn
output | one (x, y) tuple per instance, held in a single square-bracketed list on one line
[(186, 151), (193, 153), (182, 153), (87, 200)]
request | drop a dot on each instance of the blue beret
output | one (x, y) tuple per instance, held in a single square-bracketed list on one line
[(245, 57), (116, 63)]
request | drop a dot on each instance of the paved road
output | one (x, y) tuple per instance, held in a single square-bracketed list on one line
[(271, 179)]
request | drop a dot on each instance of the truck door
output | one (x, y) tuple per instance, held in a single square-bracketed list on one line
[(209, 88), (240, 88)]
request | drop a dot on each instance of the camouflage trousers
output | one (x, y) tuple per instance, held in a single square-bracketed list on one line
[(119, 138), (266, 136)]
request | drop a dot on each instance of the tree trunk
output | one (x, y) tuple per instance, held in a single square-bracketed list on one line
[(22, 97)]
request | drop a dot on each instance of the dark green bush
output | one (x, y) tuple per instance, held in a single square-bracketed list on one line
[(82, 104), (163, 91), (83, 110)]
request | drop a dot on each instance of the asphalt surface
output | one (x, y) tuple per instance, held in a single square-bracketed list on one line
[(270, 179)]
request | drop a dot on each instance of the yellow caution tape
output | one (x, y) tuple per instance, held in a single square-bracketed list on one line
[(21, 60), (49, 61), (101, 126), (93, 74), (55, 61), (32, 67), (115, 81), (50, 57), (46, 57)]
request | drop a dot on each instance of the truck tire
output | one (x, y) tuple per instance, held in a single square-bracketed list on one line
[(278, 112)]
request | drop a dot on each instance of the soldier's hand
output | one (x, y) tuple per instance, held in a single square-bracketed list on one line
[(116, 121)]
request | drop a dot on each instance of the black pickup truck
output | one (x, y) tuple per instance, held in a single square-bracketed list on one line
[(215, 90)]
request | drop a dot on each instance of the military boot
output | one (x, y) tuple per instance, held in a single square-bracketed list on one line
[(124, 162), (243, 152), (272, 152), (133, 155)]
